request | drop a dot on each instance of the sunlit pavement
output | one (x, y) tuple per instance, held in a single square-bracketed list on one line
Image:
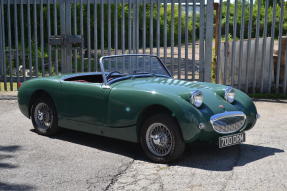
[(78, 161)]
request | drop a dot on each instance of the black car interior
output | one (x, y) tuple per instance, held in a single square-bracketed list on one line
[(95, 78)]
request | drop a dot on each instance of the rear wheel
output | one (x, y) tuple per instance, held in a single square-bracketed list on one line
[(44, 116), (161, 139)]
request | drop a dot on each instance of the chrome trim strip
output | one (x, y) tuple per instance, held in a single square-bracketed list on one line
[(106, 86), (226, 114)]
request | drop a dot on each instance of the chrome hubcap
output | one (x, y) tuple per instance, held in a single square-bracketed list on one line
[(40, 116), (43, 117), (159, 139)]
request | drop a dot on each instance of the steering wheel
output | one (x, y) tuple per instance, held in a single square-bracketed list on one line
[(111, 73)]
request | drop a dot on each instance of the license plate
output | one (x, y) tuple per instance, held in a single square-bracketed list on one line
[(229, 140)]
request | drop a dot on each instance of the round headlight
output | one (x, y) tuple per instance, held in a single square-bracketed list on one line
[(196, 98), (229, 94)]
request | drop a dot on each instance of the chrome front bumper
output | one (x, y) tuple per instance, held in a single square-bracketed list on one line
[(228, 122)]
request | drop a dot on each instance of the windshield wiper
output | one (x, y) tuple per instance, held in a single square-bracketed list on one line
[(136, 73), (162, 75), (152, 74)]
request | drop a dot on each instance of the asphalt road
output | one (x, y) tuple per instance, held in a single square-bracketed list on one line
[(78, 161)]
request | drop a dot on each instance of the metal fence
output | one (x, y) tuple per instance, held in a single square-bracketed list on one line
[(250, 50), (49, 37), (239, 43)]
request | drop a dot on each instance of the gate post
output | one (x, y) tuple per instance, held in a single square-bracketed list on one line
[(63, 33), (66, 49), (208, 42), (1, 48), (68, 64)]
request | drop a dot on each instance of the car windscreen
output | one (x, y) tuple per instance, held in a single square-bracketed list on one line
[(134, 64)]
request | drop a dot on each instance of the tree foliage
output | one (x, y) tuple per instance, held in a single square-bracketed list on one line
[(254, 18)]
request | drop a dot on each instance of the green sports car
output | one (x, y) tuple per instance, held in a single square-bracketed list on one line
[(135, 98)]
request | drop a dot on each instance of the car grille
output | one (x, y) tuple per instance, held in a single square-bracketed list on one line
[(228, 122)]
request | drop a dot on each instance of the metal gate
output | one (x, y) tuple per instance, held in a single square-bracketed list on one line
[(49, 37), (251, 50)]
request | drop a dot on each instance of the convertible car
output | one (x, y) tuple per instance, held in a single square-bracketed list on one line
[(135, 98)]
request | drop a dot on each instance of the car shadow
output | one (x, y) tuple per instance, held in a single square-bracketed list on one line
[(197, 155), (209, 157), (99, 142), (6, 152)]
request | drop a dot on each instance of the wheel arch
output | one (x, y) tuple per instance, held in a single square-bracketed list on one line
[(151, 110), (36, 94)]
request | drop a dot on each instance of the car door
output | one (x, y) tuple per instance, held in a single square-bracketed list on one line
[(84, 106)]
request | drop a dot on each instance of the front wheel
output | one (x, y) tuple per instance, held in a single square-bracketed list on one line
[(44, 117), (161, 139)]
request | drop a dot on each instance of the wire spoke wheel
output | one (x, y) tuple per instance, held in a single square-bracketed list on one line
[(43, 116), (159, 139)]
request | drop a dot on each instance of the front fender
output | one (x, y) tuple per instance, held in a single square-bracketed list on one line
[(126, 106)]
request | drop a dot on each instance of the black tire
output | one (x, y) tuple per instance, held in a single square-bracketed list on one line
[(177, 147), (53, 127)]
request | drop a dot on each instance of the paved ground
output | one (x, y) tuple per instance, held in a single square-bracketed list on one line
[(78, 161)]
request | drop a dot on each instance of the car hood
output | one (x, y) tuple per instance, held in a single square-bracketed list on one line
[(167, 85), (213, 94)]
